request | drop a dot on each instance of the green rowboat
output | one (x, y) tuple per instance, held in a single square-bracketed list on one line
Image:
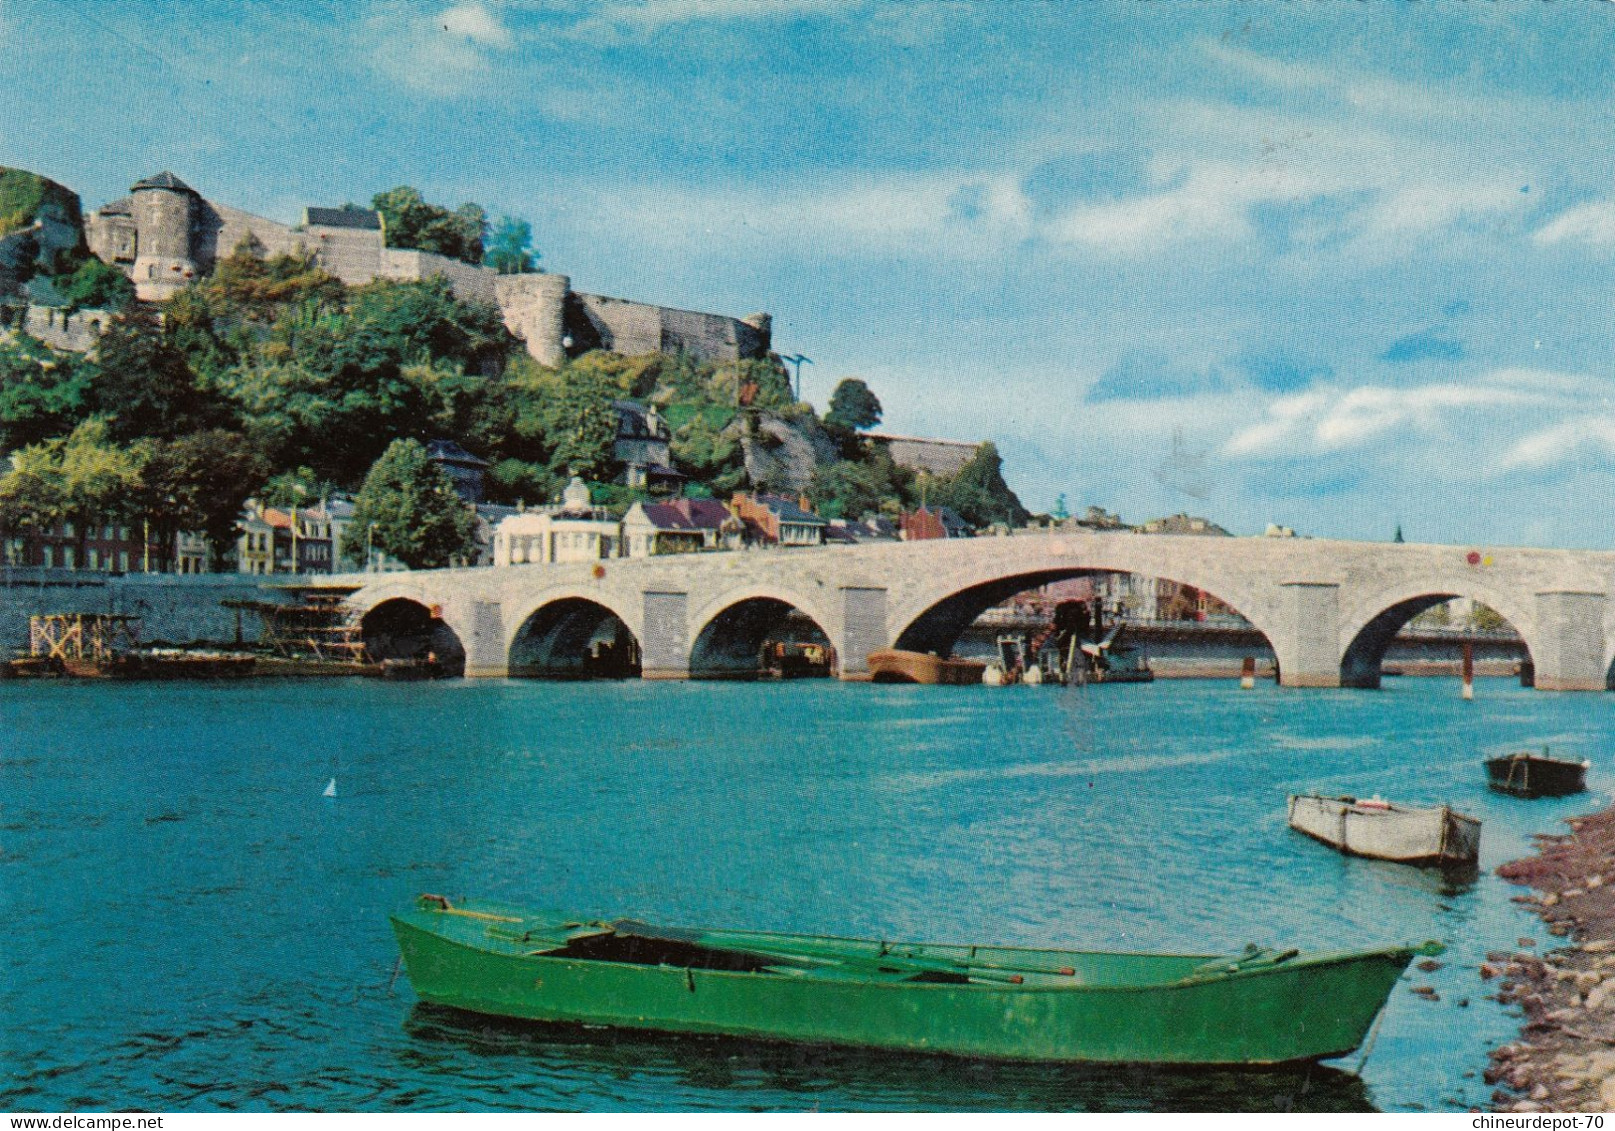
[(1258, 1007)]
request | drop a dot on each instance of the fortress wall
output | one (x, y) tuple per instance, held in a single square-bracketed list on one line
[(701, 335), (111, 239), (76, 332), (937, 457), (474, 284), (628, 328), (353, 255), (219, 231)]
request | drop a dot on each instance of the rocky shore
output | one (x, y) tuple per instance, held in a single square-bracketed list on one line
[(1564, 1059)]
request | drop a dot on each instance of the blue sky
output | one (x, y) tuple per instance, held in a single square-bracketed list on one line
[(1333, 266)]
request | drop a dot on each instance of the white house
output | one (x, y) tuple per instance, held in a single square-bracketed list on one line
[(577, 532)]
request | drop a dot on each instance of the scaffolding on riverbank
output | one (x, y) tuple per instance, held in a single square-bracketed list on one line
[(316, 626)]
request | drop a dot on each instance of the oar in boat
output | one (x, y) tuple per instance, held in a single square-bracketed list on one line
[(851, 963)]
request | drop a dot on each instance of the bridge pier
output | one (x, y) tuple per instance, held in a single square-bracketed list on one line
[(1309, 654), (863, 630), (486, 656), (664, 649), (1569, 645)]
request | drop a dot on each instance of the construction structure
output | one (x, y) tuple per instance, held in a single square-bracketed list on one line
[(315, 628)]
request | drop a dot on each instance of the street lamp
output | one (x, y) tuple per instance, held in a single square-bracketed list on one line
[(797, 360), (369, 553)]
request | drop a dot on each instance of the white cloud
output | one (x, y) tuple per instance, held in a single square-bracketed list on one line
[(1592, 223), (1336, 419), (1211, 201), (644, 16), (1563, 442), (445, 53), (476, 23)]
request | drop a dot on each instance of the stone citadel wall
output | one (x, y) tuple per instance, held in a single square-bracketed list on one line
[(165, 234)]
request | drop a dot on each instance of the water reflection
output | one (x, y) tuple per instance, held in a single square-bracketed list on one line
[(733, 1074)]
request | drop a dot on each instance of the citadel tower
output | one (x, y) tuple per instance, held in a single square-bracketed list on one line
[(162, 207)]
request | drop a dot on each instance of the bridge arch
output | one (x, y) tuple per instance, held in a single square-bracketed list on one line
[(731, 634), (573, 635), (937, 625), (1368, 630), (404, 628)]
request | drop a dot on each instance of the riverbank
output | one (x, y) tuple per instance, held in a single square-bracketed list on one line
[(1564, 1059)]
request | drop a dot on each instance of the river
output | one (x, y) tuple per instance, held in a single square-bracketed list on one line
[(191, 926)]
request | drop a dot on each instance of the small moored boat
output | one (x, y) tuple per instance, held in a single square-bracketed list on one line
[(893, 665), (1526, 774), (1436, 836), (1257, 1007)]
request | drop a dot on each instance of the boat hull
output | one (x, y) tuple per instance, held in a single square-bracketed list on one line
[(1302, 1010), (1435, 837), (1530, 775), (892, 665)]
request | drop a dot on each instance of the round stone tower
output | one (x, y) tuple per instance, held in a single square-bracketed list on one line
[(163, 206), (534, 307)]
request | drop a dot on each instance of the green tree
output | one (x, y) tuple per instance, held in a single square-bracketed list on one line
[(410, 222), (853, 407), (197, 483), (94, 285), (412, 506), (42, 393), (143, 385), (978, 492), (84, 479), (510, 249), (710, 454)]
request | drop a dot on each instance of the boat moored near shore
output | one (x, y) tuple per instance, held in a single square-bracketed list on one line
[(1528, 774), (1255, 1007), (1437, 836)]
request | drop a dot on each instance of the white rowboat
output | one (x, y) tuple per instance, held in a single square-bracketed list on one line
[(1383, 830)]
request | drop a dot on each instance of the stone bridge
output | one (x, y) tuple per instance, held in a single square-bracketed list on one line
[(1328, 608)]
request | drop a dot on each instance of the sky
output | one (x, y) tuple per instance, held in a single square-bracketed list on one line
[(1340, 267)]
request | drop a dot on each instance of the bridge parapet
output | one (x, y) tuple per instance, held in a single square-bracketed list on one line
[(1324, 605)]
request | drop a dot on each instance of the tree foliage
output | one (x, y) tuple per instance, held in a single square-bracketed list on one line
[(978, 492), (94, 285), (852, 407), (411, 505), (198, 483), (144, 386), (42, 393), (510, 249), (410, 222), (82, 478)]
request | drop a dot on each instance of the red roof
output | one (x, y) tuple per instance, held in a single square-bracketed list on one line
[(687, 514)]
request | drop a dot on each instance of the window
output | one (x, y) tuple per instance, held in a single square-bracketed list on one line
[(123, 560), (95, 558), (50, 557), (68, 554)]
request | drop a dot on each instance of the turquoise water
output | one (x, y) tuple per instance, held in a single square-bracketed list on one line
[(190, 925)]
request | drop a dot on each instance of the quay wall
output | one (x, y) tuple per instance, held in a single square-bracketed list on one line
[(179, 608)]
